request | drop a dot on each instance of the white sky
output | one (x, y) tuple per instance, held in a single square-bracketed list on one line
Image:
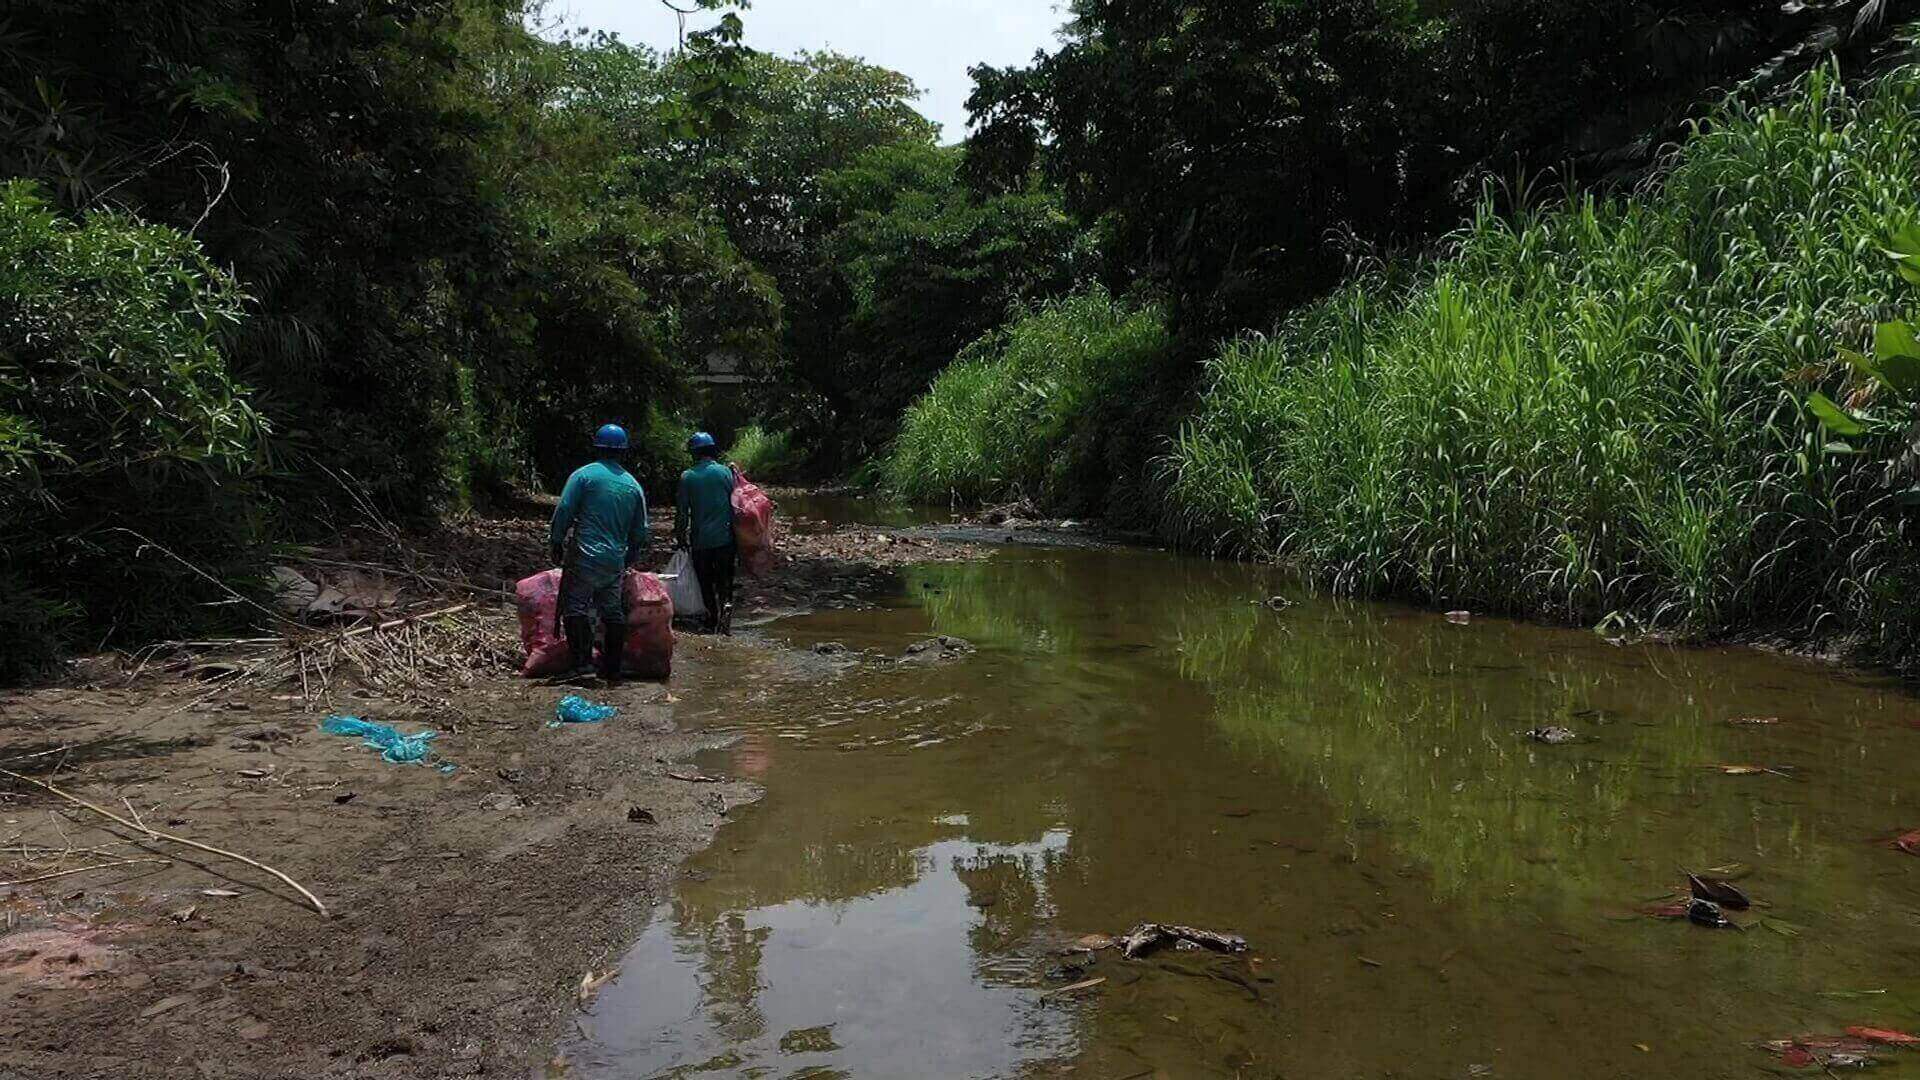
[(931, 41)]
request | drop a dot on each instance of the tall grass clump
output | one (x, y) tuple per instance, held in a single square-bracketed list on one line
[(1039, 408), (1594, 408), (767, 456)]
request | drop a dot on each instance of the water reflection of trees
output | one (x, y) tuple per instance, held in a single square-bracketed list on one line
[(1130, 684), (1413, 726)]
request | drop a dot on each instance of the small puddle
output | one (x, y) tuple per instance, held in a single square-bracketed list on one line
[(1426, 892)]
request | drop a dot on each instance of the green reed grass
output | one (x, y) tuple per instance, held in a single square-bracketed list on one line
[(1011, 415), (1593, 407), (766, 456)]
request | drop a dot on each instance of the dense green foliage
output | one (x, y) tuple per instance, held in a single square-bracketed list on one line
[(1595, 408), (451, 276), (1222, 143), (920, 268), (117, 413), (462, 245), (1051, 408), (766, 456)]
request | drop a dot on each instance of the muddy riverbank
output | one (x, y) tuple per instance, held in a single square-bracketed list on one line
[(467, 905)]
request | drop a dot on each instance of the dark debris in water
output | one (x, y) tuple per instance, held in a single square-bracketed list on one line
[(1148, 937)]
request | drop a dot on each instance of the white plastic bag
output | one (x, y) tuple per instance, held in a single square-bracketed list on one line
[(684, 586)]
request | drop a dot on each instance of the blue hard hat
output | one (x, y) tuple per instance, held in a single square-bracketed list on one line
[(610, 437), (700, 441)]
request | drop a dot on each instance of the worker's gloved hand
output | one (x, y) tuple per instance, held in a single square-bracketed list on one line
[(559, 554)]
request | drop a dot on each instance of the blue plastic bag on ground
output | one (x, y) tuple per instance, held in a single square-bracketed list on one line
[(574, 709), (393, 746)]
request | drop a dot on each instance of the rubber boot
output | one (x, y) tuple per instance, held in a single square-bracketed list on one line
[(613, 646), (580, 644)]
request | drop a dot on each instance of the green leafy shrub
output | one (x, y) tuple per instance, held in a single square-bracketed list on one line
[(118, 416), (1594, 409), (1019, 413)]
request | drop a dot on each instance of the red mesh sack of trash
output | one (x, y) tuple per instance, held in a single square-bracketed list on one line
[(538, 599), (752, 525), (649, 649)]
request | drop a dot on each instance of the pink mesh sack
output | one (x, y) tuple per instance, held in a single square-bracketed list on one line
[(649, 649), (538, 599), (753, 528)]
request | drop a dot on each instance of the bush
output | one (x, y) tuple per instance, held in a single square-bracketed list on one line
[(1034, 409), (1594, 409), (118, 416), (767, 457)]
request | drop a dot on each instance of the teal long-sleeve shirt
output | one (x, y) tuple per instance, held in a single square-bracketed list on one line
[(705, 508), (606, 510)]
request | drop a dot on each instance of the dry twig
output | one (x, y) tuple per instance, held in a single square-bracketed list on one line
[(157, 835), (84, 869)]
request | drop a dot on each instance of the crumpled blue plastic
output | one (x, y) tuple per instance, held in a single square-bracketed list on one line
[(574, 709), (393, 746)]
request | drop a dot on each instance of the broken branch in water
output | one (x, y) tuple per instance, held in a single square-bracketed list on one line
[(157, 835), (1082, 985)]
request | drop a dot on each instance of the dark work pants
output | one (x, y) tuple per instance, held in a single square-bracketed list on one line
[(715, 567)]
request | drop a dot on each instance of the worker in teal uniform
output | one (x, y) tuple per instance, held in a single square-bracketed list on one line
[(703, 526), (599, 530)]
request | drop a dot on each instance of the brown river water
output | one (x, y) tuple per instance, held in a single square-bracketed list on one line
[(1426, 892)]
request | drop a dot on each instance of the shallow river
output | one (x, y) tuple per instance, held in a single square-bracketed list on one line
[(1427, 893)]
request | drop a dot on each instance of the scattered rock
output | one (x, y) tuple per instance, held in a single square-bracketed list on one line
[(502, 800), (938, 649), (641, 815), (829, 648)]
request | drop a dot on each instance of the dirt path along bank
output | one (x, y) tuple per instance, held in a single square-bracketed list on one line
[(466, 907)]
